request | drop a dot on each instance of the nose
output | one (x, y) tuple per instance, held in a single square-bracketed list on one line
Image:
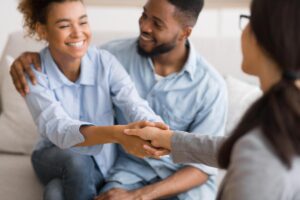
[(76, 31), (145, 25)]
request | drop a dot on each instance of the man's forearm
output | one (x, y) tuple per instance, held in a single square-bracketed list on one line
[(181, 181)]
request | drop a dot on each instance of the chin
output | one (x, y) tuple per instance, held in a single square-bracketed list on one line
[(249, 69)]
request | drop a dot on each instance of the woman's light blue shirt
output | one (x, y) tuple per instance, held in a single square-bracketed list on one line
[(60, 107)]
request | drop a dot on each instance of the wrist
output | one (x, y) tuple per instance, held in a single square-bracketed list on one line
[(145, 193), (117, 133), (167, 139)]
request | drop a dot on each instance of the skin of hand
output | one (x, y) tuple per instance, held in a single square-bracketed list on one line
[(115, 134), (117, 194), (135, 145), (20, 67), (181, 181), (160, 139)]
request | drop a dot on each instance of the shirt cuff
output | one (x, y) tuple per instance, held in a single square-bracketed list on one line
[(86, 150), (73, 135)]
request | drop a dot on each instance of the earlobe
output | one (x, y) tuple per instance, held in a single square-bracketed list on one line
[(41, 31), (186, 32)]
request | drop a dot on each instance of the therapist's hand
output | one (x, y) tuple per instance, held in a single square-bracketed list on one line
[(21, 67)]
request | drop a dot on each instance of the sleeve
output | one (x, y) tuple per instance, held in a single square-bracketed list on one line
[(255, 172), (211, 120), (52, 121), (193, 148), (125, 95)]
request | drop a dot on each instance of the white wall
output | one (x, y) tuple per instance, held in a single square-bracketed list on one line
[(10, 20), (212, 22)]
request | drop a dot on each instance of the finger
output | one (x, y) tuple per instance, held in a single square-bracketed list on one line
[(30, 73), (146, 123), (36, 60), (26, 61), (16, 82), (20, 76), (152, 155), (155, 151), (161, 125)]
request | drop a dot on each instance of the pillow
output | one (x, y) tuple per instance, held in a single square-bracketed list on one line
[(17, 130), (241, 96)]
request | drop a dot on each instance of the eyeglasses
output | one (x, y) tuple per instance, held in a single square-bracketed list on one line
[(244, 20)]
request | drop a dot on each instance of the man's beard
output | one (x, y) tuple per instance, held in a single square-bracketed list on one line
[(161, 49)]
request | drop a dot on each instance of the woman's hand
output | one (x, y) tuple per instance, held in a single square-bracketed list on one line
[(159, 139)]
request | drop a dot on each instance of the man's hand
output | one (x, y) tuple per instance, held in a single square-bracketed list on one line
[(20, 67), (117, 194)]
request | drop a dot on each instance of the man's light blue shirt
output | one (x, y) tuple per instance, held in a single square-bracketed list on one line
[(60, 107), (192, 100)]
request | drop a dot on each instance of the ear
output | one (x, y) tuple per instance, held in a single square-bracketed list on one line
[(41, 31), (186, 32)]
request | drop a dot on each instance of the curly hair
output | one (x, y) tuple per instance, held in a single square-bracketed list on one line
[(34, 12)]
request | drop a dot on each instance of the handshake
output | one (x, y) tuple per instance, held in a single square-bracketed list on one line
[(147, 139)]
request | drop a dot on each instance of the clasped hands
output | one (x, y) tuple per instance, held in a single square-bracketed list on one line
[(147, 139)]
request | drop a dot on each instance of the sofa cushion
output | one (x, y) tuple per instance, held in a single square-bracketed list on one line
[(17, 130), (241, 96), (18, 180)]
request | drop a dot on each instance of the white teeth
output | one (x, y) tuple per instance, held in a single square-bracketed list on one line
[(145, 38), (75, 44)]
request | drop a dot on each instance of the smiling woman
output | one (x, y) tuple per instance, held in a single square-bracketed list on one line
[(64, 103)]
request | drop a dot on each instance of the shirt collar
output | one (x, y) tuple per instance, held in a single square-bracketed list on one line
[(58, 79), (191, 63), (189, 66)]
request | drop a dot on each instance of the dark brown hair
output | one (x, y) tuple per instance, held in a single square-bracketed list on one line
[(188, 10), (276, 26), (35, 11)]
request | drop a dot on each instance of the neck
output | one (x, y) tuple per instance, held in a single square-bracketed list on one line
[(171, 62), (269, 74), (70, 67)]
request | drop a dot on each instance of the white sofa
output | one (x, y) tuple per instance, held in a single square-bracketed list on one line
[(17, 131)]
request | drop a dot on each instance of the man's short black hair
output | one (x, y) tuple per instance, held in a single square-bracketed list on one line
[(188, 10)]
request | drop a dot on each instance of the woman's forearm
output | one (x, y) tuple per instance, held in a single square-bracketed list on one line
[(95, 135)]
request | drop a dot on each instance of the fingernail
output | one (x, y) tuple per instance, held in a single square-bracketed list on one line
[(126, 131)]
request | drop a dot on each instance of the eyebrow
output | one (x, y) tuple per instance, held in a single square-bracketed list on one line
[(67, 20)]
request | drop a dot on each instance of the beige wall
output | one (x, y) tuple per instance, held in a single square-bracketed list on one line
[(209, 3), (213, 22)]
